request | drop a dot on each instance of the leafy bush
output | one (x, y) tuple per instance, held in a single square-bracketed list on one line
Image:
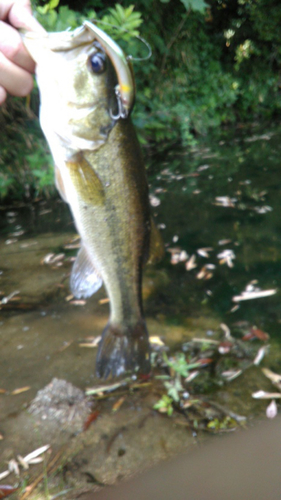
[(212, 63)]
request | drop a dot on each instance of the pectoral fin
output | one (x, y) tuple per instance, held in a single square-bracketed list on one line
[(156, 245), (85, 180), (85, 279)]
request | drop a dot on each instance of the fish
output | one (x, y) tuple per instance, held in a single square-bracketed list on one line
[(87, 94)]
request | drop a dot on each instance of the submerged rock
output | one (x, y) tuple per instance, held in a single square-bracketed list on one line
[(61, 403)]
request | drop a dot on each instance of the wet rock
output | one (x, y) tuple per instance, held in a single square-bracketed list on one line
[(61, 403)]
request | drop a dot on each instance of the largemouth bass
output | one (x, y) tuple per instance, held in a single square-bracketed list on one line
[(100, 173)]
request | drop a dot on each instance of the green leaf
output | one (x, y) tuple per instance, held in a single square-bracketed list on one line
[(53, 4), (195, 5)]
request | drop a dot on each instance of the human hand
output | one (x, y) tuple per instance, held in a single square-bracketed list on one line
[(16, 65)]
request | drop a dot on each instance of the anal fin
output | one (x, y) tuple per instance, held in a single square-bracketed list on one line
[(85, 279)]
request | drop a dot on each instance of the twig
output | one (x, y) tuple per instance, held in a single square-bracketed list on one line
[(41, 476)]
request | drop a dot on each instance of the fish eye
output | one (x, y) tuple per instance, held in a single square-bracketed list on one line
[(98, 63)]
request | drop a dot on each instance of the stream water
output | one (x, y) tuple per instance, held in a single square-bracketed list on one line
[(220, 203)]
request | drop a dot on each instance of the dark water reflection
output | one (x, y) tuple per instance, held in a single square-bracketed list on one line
[(246, 172)]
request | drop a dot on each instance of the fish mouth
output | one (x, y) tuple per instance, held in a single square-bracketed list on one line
[(59, 41)]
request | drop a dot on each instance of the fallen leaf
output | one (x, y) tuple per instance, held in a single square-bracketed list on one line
[(118, 404), (4, 474), (14, 467), (156, 341), (104, 301), (226, 257), (91, 418), (266, 395), (260, 355), (204, 252), (92, 342), (191, 264), (225, 347), (6, 490), (231, 374), (225, 201), (253, 295), (259, 334), (77, 302), (20, 390), (275, 378), (271, 410), (36, 453)]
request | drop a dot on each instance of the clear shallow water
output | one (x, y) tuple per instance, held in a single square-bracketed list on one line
[(39, 332)]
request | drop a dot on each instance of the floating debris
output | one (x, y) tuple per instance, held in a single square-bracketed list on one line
[(255, 294), (78, 302), (13, 466), (202, 168), (256, 333), (226, 257), (9, 297), (101, 389), (177, 255), (263, 210), (104, 301), (90, 419), (271, 410), (275, 378), (205, 273), (191, 263), (90, 342), (266, 395), (20, 390), (6, 490), (224, 242), (118, 404), (24, 462), (11, 241), (154, 201), (260, 355), (4, 474), (204, 252), (52, 258), (230, 375), (154, 340), (225, 201)]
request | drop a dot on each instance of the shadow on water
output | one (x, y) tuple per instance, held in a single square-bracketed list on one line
[(223, 196)]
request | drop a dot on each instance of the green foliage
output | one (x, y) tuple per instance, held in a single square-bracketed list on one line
[(213, 63), (164, 405), (121, 23), (26, 164)]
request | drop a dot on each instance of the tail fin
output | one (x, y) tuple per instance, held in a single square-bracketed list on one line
[(123, 349)]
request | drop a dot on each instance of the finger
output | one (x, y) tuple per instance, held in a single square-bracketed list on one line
[(19, 14), (15, 80), (13, 49), (3, 95)]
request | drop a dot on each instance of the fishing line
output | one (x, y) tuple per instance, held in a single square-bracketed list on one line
[(130, 57)]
